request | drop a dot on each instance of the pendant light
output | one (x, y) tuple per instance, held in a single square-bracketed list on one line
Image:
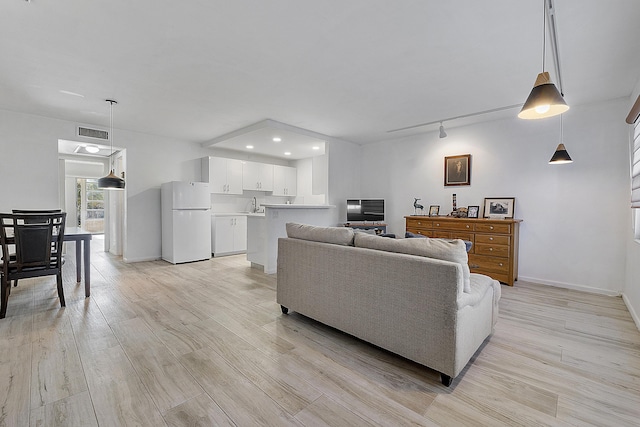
[(561, 156), (544, 100), (111, 181)]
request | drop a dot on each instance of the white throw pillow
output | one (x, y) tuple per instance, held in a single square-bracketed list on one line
[(444, 249)]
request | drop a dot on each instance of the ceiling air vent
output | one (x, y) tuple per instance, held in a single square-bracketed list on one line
[(93, 133)]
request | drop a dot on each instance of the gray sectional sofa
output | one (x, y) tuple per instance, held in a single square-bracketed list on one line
[(413, 297)]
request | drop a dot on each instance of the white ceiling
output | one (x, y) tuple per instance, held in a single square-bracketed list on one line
[(348, 69)]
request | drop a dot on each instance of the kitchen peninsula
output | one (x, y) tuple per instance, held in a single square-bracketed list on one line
[(263, 231)]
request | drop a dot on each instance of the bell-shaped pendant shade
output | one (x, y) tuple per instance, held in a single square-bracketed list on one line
[(544, 100), (561, 156), (111, 182)]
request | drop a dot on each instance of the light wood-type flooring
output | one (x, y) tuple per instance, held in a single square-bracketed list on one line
[(205, 344)]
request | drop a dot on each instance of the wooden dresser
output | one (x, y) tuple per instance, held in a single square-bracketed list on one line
[(495, 242)]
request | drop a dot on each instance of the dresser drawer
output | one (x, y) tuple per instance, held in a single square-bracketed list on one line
[(419, 223), (492, 239), (494, 228), (501, 251), (452, 225), (421, 231), (489, 263), (441, 234), (461, 235)]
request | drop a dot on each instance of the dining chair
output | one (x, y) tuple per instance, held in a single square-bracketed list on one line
[(32, 211), (38, 242)]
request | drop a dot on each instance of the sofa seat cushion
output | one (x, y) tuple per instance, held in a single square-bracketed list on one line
[(480, 285), (443, 249), (334, 235)]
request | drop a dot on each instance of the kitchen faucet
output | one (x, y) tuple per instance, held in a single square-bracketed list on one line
[(254, 205)]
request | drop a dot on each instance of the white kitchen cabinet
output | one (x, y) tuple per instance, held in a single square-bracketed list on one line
[(228, 234), (223, 175), (285, 181), (257, 176)]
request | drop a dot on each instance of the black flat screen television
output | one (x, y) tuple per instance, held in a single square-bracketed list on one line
[(365, 210)]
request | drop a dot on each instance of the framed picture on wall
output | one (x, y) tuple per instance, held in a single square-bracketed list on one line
[(472, 211), (457, 170), (434, 210), (499, 206)]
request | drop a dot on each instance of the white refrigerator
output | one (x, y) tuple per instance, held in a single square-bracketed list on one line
[(186, 221)]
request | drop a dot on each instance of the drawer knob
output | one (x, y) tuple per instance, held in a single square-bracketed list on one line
[(467, 225), (490, 238), (438, 224), (490, 249), (500, 264), (491, 227)]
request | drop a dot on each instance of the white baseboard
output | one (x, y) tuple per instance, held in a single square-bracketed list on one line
[(600, 291), (130, 260), (632, 312)]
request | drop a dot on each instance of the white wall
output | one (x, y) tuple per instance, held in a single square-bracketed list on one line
[(631, 293), (575, 216), (29, 161), (344, 176)]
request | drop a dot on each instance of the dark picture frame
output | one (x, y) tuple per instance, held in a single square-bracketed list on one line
[(473, 211), (457, 170), (499, 206), (434, 210)]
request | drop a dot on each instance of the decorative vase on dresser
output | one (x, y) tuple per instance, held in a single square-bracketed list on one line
[(494, 250)]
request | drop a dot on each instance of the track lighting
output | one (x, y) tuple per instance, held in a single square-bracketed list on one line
[(443, 134)]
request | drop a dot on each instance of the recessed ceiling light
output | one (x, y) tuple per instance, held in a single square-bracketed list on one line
[(92, 149), (250, 147), (277, 139), (315, 147), (287, 153)]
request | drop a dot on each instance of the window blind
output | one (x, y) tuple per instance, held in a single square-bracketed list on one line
[(635, 167)]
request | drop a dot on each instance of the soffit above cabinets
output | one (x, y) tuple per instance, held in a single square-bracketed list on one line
[(299, 143)]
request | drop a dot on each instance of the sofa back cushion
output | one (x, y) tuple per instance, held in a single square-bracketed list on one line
[(444, 249), (333, 235)]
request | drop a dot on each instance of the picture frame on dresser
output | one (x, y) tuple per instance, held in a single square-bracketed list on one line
[(434, 210), (473, 211), (499, 206), (457, 170)]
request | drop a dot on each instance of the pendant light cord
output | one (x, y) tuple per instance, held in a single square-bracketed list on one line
[(110, 101), (544, 36)]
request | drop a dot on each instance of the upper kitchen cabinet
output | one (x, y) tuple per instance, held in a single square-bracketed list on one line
[(285, 181), (257, 176), (224, 175)]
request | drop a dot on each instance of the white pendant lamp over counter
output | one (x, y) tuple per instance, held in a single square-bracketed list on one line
[(544, 100), (111, 181)]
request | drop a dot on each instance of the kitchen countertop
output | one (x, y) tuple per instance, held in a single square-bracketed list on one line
[(294, 206), (259, 214)]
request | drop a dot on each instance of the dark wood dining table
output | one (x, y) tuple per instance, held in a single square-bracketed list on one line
[(83, 254)]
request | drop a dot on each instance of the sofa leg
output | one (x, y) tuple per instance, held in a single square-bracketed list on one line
[(446, 380), (284, 309)]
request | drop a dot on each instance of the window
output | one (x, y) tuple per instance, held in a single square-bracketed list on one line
[(635, 177)]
